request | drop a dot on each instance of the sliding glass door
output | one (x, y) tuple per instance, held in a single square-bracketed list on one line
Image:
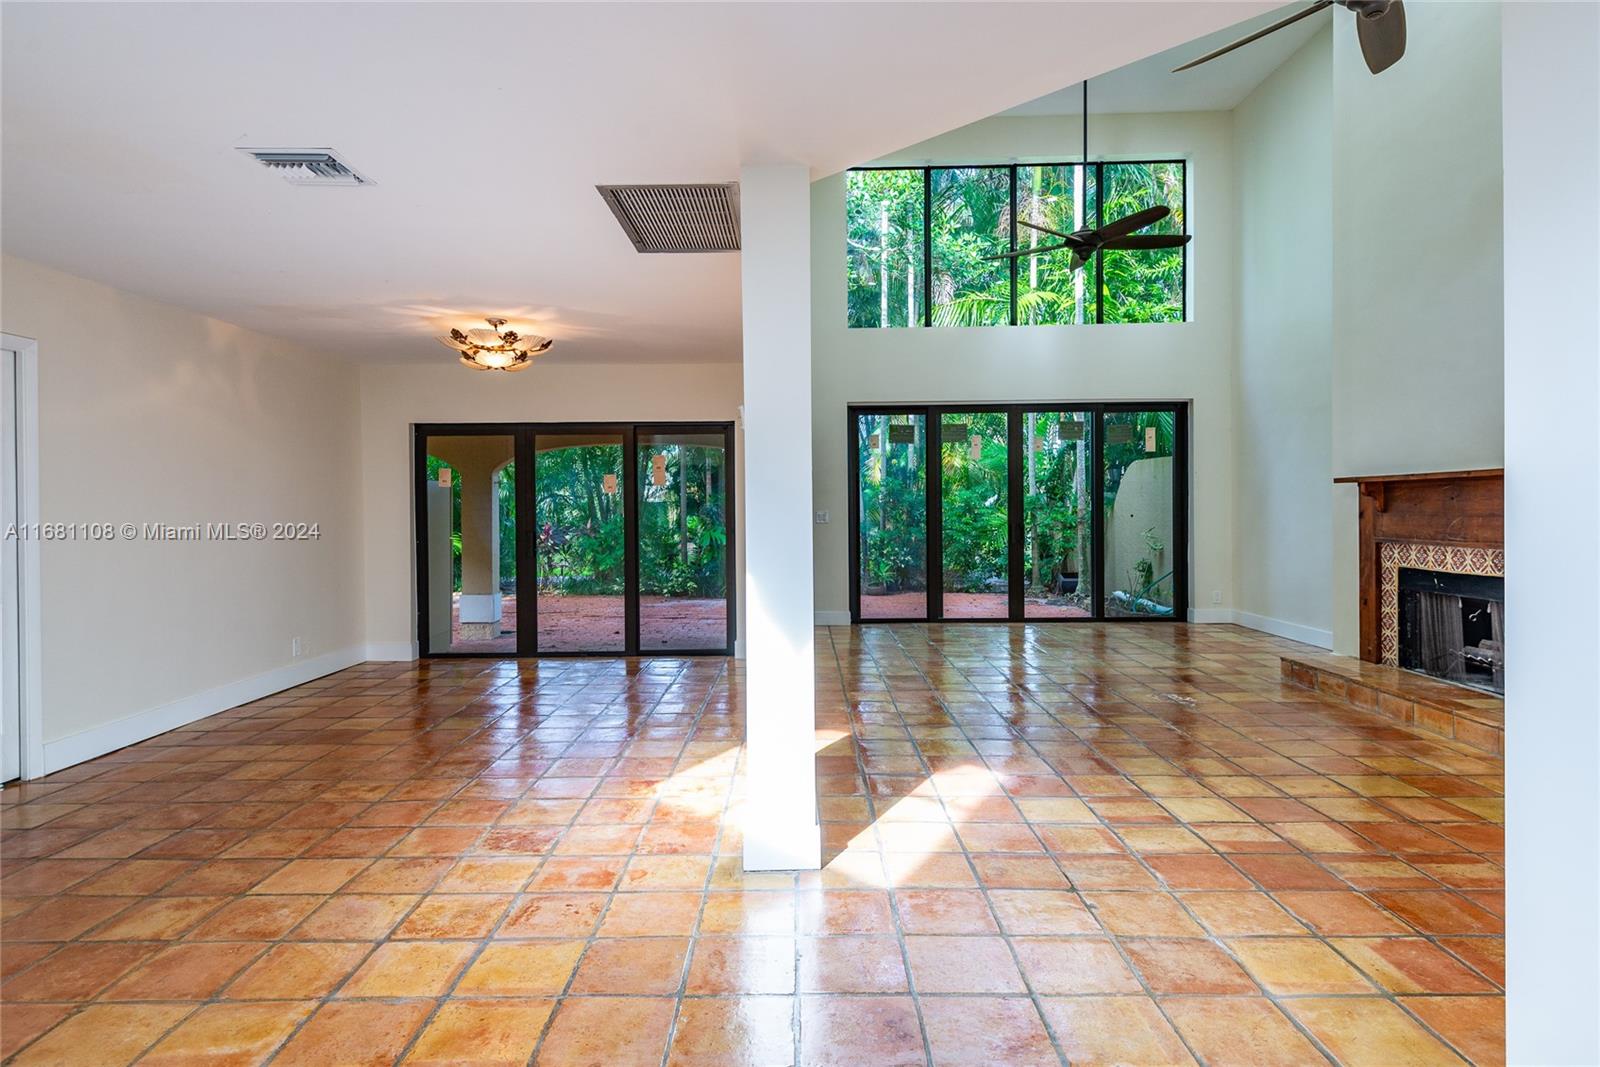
[(580, 511), (1058, 514), (1018, 512), (891, 514), (468, 510), (1139, 472), (685, 595), (610, 539), (974, 491)]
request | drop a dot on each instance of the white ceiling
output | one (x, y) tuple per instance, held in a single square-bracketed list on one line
[(486, 128), (1148, 85)]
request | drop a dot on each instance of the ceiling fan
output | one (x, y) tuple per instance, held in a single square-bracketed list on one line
[(1086, 242), (1380, 27)]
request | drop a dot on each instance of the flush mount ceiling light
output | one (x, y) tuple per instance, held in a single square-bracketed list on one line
[(496, 349)]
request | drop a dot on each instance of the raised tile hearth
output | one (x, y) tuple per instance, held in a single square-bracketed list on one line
[(1472, 717)]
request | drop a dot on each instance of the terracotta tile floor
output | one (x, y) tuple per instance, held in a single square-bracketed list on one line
[(1086, 844)]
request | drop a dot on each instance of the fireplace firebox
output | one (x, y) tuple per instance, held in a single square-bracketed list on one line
[(1452, 626)]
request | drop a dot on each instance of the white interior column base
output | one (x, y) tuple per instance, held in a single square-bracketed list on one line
[(771, 844)]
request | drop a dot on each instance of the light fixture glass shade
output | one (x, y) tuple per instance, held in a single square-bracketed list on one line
[(494, 348)]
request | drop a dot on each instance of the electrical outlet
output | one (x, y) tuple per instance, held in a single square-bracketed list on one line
[(294, 648), (823, 518), (1216, 596)]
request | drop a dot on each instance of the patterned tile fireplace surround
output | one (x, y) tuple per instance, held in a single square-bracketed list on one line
[(1420, 555)]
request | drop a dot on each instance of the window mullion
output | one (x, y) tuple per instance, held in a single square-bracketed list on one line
[(1013, 248), (1100, 256), (927, 246)]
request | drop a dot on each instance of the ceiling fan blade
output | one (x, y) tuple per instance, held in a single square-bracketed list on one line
[(1382, 36), (1128, 223), (1241, 42), (1149, 240), (1019, 253), (1045, 229)]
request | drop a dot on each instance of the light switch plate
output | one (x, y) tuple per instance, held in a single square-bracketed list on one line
[(823, 518)]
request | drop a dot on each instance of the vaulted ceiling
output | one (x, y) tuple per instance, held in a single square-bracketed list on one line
[(485, 128)]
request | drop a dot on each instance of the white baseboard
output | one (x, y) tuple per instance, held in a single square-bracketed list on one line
[(1294, 631), (1277, 627), (1211, 615), (141, 726), (392, 651)]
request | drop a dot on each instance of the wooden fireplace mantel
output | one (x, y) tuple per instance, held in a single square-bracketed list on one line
[(1445, 507)]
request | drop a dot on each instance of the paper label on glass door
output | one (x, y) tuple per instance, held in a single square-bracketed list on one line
[(1071, 429), (658, 469), (953, 433), (902, 434), (1119, 433), (609, 483), (1149, 438), (975, 449), (444, 477)]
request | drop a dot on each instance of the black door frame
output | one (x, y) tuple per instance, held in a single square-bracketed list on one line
[(523, 434), (933, 421)]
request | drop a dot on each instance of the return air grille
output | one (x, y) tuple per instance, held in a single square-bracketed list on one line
[(307, 166), (677, 218)]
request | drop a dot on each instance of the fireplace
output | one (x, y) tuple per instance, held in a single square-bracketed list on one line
[(1432, 574), (1452, 626)]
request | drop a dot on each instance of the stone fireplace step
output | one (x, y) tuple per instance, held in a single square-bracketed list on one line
[(1474, 718)]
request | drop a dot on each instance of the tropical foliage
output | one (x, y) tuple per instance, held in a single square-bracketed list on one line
[(971, 220), (1058, 492), (1057, 502), (890, 245), (893, 482), (884, 231), (973, 477), (578, 519), (973, 504), (683, 532), (580, 526), (1146, 285)]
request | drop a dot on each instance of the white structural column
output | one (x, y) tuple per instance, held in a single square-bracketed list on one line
[(780, 824), (1550, 74)]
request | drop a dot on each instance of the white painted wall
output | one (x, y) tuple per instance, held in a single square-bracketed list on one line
[(1282, 528), (1176, 361), (393, 397), (1418, 319), (152, 414), (1551, 85)]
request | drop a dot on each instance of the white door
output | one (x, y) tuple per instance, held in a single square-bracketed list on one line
[(10, 560)]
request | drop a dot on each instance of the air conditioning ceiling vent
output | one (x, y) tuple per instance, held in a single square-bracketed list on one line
[(308, 166), (677, 218)]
